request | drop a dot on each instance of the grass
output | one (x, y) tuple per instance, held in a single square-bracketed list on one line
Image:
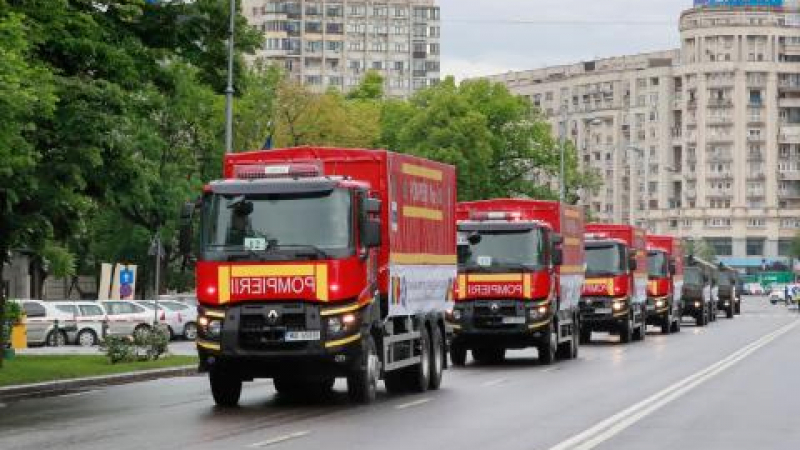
[(25, 369)]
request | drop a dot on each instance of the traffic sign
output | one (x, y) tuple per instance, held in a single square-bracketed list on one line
[(125, 276)]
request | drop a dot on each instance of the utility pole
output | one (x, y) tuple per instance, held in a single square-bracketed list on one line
[(562, 144), (229, 88)]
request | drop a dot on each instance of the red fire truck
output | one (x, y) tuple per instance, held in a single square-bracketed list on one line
[(318, 263), (615, 291), (520, 277), (665, 284)]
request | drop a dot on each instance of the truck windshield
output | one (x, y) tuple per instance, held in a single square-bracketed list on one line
[(724, 279), (657, 265), (692, 275), (281, 226), (503, 250), (605, 260)]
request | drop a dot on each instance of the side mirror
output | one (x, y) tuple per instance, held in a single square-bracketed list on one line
[(557, 239), (632, 263), (558, 257), (673, 268), (186, 235), (372, 205), (474, 238), (371, 234)]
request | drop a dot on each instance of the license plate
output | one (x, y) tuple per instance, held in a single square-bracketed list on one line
[(514, 320), (602, 310), (298, 336), (651, 307)]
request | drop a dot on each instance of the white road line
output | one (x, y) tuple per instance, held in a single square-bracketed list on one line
[(494, 382), (78, 394), (612, 426), (549, 369), (414, 403), (280, 439), (3, 405)]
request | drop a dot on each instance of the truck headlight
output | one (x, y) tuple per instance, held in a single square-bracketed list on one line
[(537, 312), (214, 329), (618, 305), (660, 303), (342, 324), (697, 304), (453, 315)]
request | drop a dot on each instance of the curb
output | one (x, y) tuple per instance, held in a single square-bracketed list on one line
[(51, 388)]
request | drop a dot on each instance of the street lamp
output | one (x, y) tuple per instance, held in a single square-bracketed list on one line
[(229, 88)]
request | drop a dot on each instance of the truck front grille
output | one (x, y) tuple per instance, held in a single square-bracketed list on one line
[(265, 327)]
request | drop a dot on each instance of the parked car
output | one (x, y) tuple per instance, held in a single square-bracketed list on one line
[(126, 317), (173, 320), (755, 289), (41, 320), (90, 322), (189, 315)]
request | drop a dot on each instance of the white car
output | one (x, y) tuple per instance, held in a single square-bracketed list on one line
[(778, 295), (126, 318), (89, 320), (40, 320), (188, 314), (173, 320)]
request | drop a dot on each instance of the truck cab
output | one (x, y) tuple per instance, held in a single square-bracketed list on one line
[(699, 291), (665, 282), (614, 293), (728, 296), (508, 295)]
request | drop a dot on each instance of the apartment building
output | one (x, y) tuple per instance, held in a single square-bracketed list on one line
[(333, 43), (701, 141)]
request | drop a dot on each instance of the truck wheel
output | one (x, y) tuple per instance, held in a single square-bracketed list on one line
[(548, 347), (569, 350), (640, 333), (701, 319), (729, 312), (438, 355), (626, 331), (575, 341), (738, 308), (419, 377), (458, 355), (488, 355), (676, 325), (586, 335), (226, 388), (712, 314), (666, 324), (362, 383)]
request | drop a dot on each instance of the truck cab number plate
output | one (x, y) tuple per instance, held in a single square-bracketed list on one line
[(299, 336)]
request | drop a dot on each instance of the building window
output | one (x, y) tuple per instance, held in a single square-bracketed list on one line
[(785, 247), (755, 246), (721, 246)]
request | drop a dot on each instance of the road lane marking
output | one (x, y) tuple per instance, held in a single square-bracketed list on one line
[(549, 369), (615, 424), (495, 382), (3, 405), (78, 394), (279, 439), (412, 404)]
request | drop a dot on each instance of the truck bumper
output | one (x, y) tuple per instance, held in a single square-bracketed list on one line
[(502, 323), (256, 343), (597, 314), (655, 313), (692, 309)]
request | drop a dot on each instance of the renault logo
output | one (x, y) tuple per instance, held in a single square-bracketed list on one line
[(495, 307), (273, 316)]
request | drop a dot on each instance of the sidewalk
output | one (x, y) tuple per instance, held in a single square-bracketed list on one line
[(180, 348)]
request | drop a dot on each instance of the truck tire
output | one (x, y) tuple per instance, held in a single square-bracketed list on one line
[(488, 355), (729, 312), (458, 355), (738, 308), (438, 354), (712, 314), (640, 333), (701, 319), (666, 324), (548, 346), (362, 383), (569, 350), (626, 331), (586, 335), (226, 388), (419, 376), (676, 325)]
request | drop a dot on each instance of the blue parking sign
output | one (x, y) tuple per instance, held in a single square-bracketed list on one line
[(126, 276)]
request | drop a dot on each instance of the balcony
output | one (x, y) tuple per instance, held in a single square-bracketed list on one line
[(755, 138), (720, 158), (756, 176), (789, 175), (691, 104), (789, 102), (789, 134), (677, 103), (719, 120), (755, 119), (789, 193), (720, 103), (719, 175), (755, 157), (719, 138), (789, 85), (721, 81)]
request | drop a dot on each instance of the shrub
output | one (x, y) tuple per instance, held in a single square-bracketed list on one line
[(145, 346)]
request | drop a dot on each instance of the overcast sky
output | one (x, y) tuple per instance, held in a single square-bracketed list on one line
[(483, 37)]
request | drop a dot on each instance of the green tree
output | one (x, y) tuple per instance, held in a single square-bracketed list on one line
[(496, 140), (370, 88), (701, 249)]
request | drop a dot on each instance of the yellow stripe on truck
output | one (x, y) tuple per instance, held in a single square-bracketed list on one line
[(421, 259), (499, 278), (322, 282), (296, 270), (224, 284), (422, 172), (415, 212)]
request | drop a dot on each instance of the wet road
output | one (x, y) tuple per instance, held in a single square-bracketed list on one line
[(727, 386)]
